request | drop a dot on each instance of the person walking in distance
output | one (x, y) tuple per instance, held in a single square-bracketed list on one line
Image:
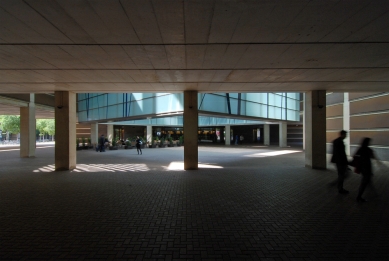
[(339, 157), (364, 154), (138, 143), (101, 143)]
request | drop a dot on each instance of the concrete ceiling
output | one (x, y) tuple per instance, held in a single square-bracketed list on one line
[(44, 104), (209, 46)]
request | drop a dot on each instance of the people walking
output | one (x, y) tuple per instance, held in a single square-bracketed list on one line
[(364, 155), (101, 143), (138, 145), (339, 157)]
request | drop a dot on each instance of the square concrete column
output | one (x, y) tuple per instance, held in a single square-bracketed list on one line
[(191, 156), (315, 130), (228, 135), (110, 133), (346, 121), (266, 134), (94, 133), (149, 133), (282, 134), (303, 121), (27, 129), (65, 130)]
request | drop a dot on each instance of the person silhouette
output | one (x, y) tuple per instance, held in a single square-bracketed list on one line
[(101, 143), (364, 154), (339, 157), (138, 143)]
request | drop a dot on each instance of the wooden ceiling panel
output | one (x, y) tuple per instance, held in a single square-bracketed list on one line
[(99, 56), (78, 52), (20, 31), (213, 57), (27, 19), (150, 44), (221, 75), (122, 76), (143, 19), (195, 56), (192, 75), (373, 74), (82, 13), (176, 56), (312, 22), (170, 18), (53, 75), (232, 55), (118, 57), (22, 57), (198, 17), (346, 19), (253, 21), (53, 12), (226, 15), (116, 20), (138, 56), (157, 55)]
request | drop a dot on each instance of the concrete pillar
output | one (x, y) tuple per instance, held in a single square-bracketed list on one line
[(315, 126), (303, 121), (149, 133), (228, 135), (110, 132), (65, 130), (346, 121), (27, 129), (282, 134), (266, 134), (94, 133), (190, 130)]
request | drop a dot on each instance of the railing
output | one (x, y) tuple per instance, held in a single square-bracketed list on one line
[(10, 142)]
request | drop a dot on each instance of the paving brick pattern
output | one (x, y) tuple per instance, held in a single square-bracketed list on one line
[(244, 206)]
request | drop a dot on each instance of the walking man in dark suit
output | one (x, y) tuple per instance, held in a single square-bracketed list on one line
[(101, 143), (339, 157)]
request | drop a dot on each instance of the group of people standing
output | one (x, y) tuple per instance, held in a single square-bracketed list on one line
[(362, 161), (103, 141)]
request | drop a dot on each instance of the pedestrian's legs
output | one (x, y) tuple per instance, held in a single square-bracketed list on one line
[(341, 174), (364, 182)]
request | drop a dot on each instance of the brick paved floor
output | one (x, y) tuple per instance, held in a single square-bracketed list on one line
[(244, 203)]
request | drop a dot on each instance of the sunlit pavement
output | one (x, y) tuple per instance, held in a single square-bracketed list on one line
[(244, 203)]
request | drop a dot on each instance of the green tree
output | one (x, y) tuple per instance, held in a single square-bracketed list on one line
[(50, 127), (40, 126), (45, 126), (10, 123)]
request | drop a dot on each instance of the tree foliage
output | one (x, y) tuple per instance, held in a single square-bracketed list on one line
[(40, 126), (45, 126), (10, 123), (50, 127)]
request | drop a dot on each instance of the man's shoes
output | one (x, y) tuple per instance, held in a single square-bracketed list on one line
[(344, 192), (359, 199)]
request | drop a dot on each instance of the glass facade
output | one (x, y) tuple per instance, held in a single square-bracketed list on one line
[(106, 106)]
